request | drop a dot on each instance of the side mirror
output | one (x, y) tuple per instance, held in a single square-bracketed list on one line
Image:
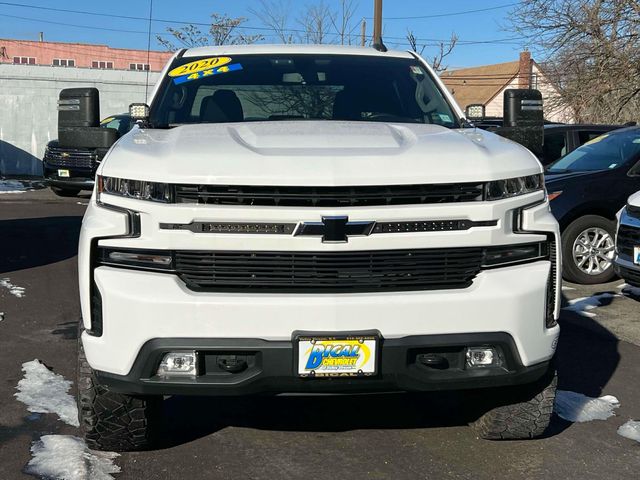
[(475, 111), (523, 118), (79, 120)]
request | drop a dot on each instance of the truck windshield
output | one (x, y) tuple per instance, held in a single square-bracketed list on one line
[(246, 88), (605, 152)]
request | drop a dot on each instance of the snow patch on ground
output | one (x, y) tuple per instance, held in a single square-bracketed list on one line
[(13, 186), (583, 304), (628, 290), (66, 457), (630, 430), (43, 391), (576, 407), (13, 289)]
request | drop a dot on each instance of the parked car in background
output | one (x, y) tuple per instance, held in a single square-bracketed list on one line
[(559, 138), (69, 170), (587, 188), (627, 262)]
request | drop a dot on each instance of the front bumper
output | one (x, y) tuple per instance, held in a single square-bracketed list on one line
[(271, 368), (81, 178), (140, 306)]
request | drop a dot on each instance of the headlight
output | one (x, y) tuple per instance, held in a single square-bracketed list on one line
[(512, 187), (138, 189)]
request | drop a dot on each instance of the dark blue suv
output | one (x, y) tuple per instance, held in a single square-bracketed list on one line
[(587, 188)]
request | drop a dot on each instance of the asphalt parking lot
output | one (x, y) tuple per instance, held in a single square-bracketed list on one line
[(367, 436)]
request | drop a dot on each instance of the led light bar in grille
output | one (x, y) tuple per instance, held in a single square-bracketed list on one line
[(289, 228), (430, 226), (232, 227)]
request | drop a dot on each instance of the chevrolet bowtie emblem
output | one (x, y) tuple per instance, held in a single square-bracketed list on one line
[(64, 155), (335, 229)]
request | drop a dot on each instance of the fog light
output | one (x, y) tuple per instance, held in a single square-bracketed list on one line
[(483, 357), (178, 364)]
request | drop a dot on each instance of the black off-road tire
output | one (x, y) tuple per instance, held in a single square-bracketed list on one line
[(527, 415), (570, 270), (65, 192), (112, 421)]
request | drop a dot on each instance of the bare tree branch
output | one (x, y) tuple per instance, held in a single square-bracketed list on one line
[(444, 50), (275, 15), (223, 31), (592, 54)]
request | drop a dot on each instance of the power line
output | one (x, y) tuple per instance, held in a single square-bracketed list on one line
[(453, 14), (72, 24), (436, 42)]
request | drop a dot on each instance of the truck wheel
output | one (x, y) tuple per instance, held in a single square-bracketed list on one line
[(588, 250), (65, 192), (113, 421), (527, 415)]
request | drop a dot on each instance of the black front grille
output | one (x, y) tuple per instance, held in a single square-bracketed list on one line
[(329, 196), (70, 158), (360, 271), (627, 238)]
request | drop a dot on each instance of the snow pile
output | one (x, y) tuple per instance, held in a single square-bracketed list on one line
[(630, 430), (43, 391), (13, 289), (583, 304), (576, 407), (12, 186), (67, 457)]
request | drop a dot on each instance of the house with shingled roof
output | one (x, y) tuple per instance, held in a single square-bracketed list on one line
[(485, 85)]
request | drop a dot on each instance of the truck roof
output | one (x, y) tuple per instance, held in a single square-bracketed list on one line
[(293, 49)]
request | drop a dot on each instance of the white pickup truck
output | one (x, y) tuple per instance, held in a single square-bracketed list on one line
[(313, 219)]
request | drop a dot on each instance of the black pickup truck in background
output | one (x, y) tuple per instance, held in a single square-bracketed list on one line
[(69, 170)]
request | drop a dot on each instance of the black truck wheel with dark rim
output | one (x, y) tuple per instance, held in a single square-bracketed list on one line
[(523, 412), (588, 245), (113, 421)]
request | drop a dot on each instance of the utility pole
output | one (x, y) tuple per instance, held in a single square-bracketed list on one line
[(377, 26), (363, 33)]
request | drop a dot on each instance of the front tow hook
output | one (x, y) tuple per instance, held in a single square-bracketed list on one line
[(231, 363)]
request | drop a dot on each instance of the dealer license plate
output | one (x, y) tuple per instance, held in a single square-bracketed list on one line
[(636, 255), (340, 356), (63, 173)]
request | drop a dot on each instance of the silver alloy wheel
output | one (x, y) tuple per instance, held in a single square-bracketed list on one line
[(593, 250)]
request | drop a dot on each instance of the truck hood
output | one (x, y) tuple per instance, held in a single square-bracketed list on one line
[(316, 153)]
